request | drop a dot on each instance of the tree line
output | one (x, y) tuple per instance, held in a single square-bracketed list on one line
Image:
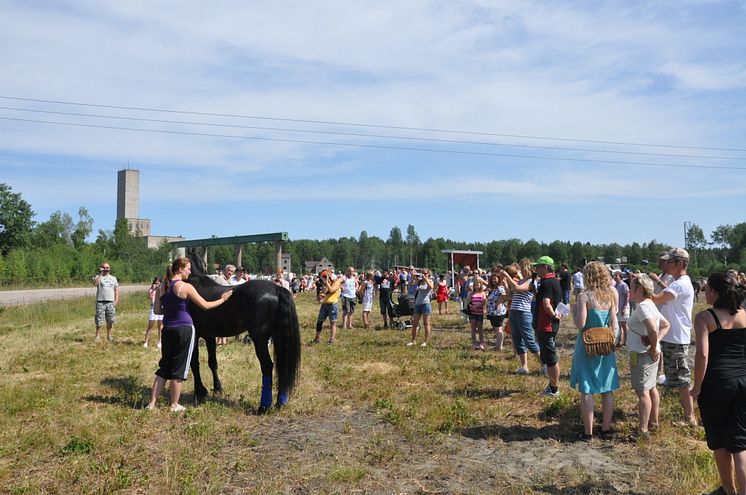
[(58, 251)]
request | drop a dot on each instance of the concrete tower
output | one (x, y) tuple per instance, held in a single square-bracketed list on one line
[(128, 194), (128, 201)]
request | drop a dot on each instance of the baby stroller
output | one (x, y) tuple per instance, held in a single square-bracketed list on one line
[(404, 307)]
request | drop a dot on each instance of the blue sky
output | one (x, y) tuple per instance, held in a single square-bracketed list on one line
[(585, 74)]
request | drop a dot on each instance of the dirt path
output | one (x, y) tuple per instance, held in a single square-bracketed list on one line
[(16, 297), (483, 460)]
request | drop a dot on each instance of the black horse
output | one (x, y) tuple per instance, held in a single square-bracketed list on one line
[(264, 309)]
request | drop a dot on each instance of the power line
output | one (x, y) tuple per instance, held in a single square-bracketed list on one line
[(366, 135), (375, 146), (379, 126)]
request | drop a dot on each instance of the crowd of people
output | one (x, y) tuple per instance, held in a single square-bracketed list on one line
[(649, 314)]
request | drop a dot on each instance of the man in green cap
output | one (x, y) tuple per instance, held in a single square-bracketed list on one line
[(547, 321)]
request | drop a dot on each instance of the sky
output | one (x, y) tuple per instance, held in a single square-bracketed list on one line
[(473, 121)]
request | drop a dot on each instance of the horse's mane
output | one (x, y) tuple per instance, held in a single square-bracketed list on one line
[(198, 278)]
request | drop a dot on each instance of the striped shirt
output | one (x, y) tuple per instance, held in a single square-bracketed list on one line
[(521, 301)]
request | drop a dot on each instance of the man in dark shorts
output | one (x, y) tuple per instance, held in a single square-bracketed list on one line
[(385, 286), (547, 321)]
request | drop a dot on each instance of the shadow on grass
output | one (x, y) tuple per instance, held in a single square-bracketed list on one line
[(130, 393), (519, 433), (585, 488), (485, 393)]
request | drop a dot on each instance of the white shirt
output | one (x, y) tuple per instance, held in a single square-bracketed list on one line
[(348, 288), (236, 281), (646, 310), (678, 312)]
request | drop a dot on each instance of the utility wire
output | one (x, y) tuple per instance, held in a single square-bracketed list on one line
[(379, 126), (366, 135), (375, 146)]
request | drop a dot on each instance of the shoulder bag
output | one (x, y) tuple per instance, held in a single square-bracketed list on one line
[(599, 341)]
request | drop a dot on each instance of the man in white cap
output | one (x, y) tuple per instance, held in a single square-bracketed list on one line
[(676, 302)]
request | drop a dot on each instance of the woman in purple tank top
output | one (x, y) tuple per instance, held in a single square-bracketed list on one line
[(178, 330)]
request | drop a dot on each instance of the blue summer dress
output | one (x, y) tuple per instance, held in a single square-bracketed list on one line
[(593, 375)]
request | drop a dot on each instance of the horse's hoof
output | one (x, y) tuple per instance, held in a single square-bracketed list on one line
[(262, 410)]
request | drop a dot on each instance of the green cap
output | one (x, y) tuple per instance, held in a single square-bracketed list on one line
[(544, 260)]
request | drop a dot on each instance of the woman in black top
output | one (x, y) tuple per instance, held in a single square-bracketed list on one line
[(720, 378)]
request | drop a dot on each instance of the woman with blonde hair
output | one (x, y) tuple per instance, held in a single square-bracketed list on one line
[(646, 326), (595, 307)]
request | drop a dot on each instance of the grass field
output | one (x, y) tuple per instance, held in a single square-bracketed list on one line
[(369, 416)]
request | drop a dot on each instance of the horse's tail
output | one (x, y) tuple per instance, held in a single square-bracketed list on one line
[(286, 341)]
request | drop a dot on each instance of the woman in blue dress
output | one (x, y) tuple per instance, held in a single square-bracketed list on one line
[(595, 307)]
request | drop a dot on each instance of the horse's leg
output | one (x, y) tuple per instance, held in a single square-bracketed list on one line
[(265, 362), (200, 392), (212, 362)]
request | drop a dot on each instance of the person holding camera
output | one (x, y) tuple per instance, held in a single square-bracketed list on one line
[(107, 298), (332, 291), (423, 291)]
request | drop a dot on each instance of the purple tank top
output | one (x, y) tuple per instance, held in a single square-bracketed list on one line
[(175, 309)]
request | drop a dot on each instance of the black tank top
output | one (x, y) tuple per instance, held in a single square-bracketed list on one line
[(727, 353)]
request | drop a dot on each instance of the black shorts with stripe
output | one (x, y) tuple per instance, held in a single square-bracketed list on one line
[(176, 352)]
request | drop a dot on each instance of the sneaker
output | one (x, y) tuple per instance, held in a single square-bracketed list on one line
[(521, 371), (145, 345), (110, 338), (662, 380), (410, 344), (548, 392), (424, 344), (584, 437), (481, 347), (158, 346), (97, 340), (608, 434), (178, 408)]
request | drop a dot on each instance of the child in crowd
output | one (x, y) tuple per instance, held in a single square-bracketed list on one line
[(476, 304), (441, 294)]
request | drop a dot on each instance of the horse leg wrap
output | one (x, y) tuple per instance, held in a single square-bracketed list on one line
[(266, 400), (282, 397)]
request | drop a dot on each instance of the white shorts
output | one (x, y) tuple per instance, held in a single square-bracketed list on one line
[(154, 317)]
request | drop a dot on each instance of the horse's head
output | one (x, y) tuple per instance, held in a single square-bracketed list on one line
[(198, 265)]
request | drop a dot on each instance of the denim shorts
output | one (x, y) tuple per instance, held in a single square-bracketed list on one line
[(423, 309), (328, 310)]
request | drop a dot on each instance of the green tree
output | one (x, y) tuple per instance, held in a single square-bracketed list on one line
[(413, 240), (394, 246), (16, 220), (56, 230), (82, 229)]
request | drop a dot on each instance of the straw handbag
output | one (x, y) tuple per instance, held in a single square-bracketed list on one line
[(599, 341)]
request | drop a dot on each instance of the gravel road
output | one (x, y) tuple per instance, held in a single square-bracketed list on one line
[(15, 297)]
